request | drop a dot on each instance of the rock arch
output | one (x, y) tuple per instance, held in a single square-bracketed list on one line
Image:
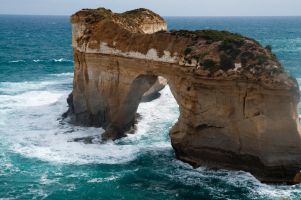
[(238, 108)]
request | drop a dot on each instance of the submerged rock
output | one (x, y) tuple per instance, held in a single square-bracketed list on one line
[(238, 107), (88, 140)]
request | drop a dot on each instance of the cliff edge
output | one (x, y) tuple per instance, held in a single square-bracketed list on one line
[(238, 107)]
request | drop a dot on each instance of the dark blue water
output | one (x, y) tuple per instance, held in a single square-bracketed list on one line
[(38, 162)]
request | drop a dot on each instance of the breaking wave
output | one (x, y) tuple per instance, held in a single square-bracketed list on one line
[(32, 111), (42, 61)]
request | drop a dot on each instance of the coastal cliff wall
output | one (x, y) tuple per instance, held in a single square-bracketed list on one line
[(238, 108)]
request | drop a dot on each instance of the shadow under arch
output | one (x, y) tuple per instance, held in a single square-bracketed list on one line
[(125, 118)]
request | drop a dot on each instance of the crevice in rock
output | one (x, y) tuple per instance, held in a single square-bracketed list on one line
[(239, 143), (206, 126), (204, 111), (244, 103), (257, 114), (85, 70)]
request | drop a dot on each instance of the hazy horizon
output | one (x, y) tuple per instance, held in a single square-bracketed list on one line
[(212, 8), (238, 16)]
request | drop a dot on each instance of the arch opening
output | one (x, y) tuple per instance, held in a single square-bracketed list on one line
[(144, 88)]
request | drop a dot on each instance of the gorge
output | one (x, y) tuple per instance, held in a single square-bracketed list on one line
[(238, 107)]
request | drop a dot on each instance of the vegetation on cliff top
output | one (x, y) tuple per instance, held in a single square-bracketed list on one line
[(211, 50), (226, 49), (209, 35), (130, 20)]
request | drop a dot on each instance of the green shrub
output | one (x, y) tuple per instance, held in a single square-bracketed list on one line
[(208, 64), (245, 56), (231, 47), (274, 57), (230, 44), (196, 57), (261, 59), (211, 35), (215, 36), (202, 55), (187, 51), (268, 47), (226, 62)]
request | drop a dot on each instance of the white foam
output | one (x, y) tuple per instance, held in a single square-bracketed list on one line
[(203, 177), (68, 74), (100, 180), (29, 99), (46, 141), (154, 115), (62, 60), (36, 132), (16, 61), (19, 87), (45, 181), (57, 149)]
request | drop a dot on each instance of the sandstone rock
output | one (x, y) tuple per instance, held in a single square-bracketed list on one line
[(153, 92), (242, 117)]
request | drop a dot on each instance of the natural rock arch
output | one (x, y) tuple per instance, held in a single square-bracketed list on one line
[(238, 108)]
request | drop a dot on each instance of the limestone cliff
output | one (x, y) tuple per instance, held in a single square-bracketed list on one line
[(153, 92), (238, 108)]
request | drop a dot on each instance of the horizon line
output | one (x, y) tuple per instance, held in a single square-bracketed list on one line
[(57, 15)]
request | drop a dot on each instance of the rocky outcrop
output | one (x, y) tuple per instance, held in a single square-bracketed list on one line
[(238, 108), (154, 91)]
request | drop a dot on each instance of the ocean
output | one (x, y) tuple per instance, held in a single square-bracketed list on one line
[(38, 159)]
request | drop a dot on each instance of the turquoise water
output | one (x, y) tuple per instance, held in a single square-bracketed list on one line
[(37, 159)]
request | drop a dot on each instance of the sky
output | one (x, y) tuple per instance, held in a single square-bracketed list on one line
[(162, 7)]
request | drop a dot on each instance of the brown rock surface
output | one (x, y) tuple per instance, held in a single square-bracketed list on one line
[(154, 91), (238, 108)]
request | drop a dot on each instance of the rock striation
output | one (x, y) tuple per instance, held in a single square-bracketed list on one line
[(238, 107)]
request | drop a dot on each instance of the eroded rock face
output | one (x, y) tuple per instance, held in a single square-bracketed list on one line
[(154, 91), (238, 108)]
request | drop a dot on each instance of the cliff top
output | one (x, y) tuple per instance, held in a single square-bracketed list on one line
[(207, 53), (130, 20)]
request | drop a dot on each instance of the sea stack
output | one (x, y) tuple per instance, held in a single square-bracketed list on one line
[(238, 107)]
